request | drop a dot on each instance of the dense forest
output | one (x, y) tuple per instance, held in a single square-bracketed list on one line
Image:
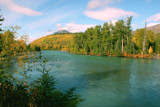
[(115, 40)]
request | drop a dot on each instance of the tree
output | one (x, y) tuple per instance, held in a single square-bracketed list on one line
[(128, 29), (157, 44), (1, 42), (144, 39), (106, 38), (120, 33), (138, 39), (129, 46), (1, 19), (150, 51)]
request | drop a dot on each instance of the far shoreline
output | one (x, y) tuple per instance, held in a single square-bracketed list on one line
[(136, 56)]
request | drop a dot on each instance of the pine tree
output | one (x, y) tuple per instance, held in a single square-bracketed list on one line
[(1, 19)]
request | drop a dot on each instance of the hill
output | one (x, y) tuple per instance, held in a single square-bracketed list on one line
[(53, 42), (62, 32), (155, 28)]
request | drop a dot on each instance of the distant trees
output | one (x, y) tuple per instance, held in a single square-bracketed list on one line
[(106, 40), (114, 40)]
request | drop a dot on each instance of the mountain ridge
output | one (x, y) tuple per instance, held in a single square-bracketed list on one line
[(155, 28), (62, 32)]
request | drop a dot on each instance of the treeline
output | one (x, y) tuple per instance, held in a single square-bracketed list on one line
[(115, 40)]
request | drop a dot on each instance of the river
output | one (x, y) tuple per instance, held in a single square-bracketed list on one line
[(107, 81)]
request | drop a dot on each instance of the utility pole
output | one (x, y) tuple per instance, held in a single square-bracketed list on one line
[(144, 38)]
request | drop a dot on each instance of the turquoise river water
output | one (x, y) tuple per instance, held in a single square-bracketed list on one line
[(107, 81)]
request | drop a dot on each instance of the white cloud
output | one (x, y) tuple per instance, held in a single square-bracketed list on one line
[(11, 5), (154, 18), (109, 13), (73, 27), (98, 3), (58, 25), (151, 24), (93, 4)]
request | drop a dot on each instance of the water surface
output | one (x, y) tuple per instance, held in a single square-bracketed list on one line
[(107, 81)]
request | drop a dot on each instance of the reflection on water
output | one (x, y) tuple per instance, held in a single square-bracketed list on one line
[(107, 81)]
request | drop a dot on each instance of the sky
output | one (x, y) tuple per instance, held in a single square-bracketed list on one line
[(38, 18)]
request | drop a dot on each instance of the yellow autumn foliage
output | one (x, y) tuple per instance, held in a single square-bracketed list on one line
[(53, 42), (150, 50)]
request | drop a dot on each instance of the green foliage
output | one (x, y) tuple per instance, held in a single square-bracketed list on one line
[(9, 46), (104, 40), (138, 39), (114, 40), (13, 96), (37, 48), (157, 44), (40, 93), (1, 19)]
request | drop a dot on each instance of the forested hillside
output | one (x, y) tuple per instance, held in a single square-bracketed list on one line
[(53, 42)]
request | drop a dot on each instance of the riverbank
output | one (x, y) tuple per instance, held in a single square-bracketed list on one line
[(141, 56)]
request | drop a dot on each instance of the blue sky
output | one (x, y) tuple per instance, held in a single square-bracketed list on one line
[(38, 18)]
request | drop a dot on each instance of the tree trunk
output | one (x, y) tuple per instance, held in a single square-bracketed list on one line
[(144, 40), (122, 44), (127, 40)]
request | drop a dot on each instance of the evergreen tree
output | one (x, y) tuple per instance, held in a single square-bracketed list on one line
[(1, 19)]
